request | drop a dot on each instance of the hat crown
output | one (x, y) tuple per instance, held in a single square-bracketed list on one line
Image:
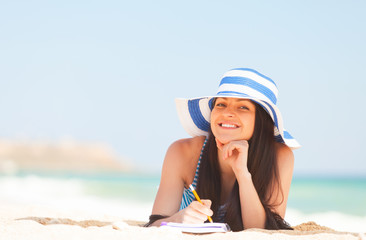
[(246, 82)]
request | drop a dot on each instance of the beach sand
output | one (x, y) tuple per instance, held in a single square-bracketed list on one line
[(41, 222)]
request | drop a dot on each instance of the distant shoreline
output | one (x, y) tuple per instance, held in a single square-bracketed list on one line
[(64, 156)]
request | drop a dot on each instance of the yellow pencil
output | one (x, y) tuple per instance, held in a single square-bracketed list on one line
[(199, 200)]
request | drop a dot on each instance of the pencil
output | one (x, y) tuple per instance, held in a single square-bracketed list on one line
[(199, 200)]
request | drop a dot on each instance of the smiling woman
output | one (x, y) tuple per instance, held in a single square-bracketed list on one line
[(239, 158)]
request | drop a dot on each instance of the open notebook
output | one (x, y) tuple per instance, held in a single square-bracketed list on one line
[(198, 228)]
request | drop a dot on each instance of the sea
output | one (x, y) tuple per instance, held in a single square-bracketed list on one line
[(335, 202)]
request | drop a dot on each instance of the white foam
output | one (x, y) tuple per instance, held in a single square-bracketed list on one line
[(68, 195), (335, 220)]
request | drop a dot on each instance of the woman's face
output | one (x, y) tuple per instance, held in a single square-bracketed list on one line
[(233, 119)]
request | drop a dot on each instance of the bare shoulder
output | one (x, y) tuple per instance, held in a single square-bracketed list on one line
[(285, 157), (183, 155), (182, 145)]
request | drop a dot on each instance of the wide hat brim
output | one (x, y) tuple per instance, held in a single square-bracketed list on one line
[(195, 114)]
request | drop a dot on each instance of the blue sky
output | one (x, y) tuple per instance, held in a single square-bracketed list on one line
[(108, 71)]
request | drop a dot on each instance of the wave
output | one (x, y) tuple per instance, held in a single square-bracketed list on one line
[(69, 194), (130, 199)]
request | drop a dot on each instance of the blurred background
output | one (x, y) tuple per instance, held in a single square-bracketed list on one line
[(87, 94)]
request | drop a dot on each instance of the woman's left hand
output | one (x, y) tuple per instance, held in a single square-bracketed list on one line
[(236, 153)]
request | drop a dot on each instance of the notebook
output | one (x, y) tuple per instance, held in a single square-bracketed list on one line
[(198, 228)]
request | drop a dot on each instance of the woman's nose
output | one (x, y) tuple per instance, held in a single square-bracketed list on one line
[(229, 112)]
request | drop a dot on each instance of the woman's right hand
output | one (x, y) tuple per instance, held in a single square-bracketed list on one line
[(194, 213)]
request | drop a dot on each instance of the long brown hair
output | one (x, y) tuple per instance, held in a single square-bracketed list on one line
[(262, 166)]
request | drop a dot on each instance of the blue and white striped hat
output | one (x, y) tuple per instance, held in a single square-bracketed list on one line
[(246, 83)]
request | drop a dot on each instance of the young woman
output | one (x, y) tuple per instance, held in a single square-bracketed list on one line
[(239, 158)]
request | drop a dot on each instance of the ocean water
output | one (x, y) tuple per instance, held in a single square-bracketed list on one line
[(343, 194), (339, 203)]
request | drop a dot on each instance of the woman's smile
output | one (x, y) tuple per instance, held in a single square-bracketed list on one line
[(229, 125)]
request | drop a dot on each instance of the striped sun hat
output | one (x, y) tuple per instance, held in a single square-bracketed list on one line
[(246, 83)]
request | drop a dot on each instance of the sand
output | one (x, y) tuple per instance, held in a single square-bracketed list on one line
[(40, 222)]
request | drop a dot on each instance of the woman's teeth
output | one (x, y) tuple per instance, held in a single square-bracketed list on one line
[(228, 125)]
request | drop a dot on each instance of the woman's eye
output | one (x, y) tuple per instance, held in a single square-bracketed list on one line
[(220, 105), (244, 107)]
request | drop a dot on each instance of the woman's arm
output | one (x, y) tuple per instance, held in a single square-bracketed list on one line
[(252, 210), (235, 153), (171, 186), (178, 168), (285, 165), (253, 213)]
